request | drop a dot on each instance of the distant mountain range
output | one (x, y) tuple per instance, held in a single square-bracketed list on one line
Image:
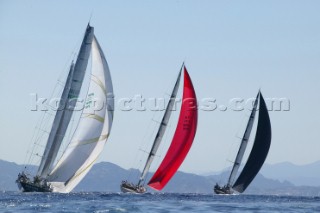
[(308, 174), (299, 175), (280, 179)]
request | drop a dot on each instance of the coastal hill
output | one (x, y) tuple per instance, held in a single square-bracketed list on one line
[(106, 177)]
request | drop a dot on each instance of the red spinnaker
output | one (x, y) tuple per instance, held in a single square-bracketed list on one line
[(182, 139)]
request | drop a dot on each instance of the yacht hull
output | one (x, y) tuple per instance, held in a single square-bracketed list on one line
[(129, 188)]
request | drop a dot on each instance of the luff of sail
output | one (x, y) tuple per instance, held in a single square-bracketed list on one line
[(243, 144), (63, 117), (162, 128), (93, 128), (182, 139), (259, 150)]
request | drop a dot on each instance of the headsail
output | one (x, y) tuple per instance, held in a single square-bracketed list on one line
[(93, 128), (162, 129), (259, 150), (183, 137), (243, 144), (63, 117)]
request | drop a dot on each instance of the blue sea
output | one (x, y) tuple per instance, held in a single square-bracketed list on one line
[(113, 202)]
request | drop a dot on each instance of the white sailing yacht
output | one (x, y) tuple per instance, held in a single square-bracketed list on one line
[(93, 127)]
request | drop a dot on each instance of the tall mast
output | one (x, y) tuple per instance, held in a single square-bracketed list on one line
[(259, 151), (243, 144), (162, 128), (70, 94), (54, 139)]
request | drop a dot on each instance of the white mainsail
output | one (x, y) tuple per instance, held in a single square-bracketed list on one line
[(71, 92), (92, 131)]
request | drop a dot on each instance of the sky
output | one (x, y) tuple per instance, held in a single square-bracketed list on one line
[(231, 50)]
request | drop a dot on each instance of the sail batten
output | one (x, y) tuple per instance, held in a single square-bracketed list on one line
[(161, 130)]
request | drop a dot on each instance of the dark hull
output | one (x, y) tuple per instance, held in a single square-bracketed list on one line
[(26, 185), (223, 190), (129, 188), (31, 187)]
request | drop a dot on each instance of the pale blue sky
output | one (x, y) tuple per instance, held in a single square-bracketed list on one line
[(231, 49)]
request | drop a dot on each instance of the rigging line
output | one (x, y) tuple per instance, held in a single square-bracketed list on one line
[(87, 73), (44, 131), (235, 144), (42, 122), (241, 126), (30, 143), (145, 151), (137, 162), (35, 134), (154, 129), (169, 129), (165, 141), (39, 134), (144, 138), (73, 54), (225, 169), (39, 145), (152, 138), (86, 95)]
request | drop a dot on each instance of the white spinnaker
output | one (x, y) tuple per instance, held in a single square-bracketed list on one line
[(93, 128)]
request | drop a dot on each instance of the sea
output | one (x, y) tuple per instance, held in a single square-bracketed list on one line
[(119, 202)]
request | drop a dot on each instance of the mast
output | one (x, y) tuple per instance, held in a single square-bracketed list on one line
[(69, 97), (162, 129), (54, 138), (244, 143)]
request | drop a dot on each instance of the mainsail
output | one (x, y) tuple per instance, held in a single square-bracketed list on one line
[(62, 119), (182, 139), (161, 130), (259, 150)]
